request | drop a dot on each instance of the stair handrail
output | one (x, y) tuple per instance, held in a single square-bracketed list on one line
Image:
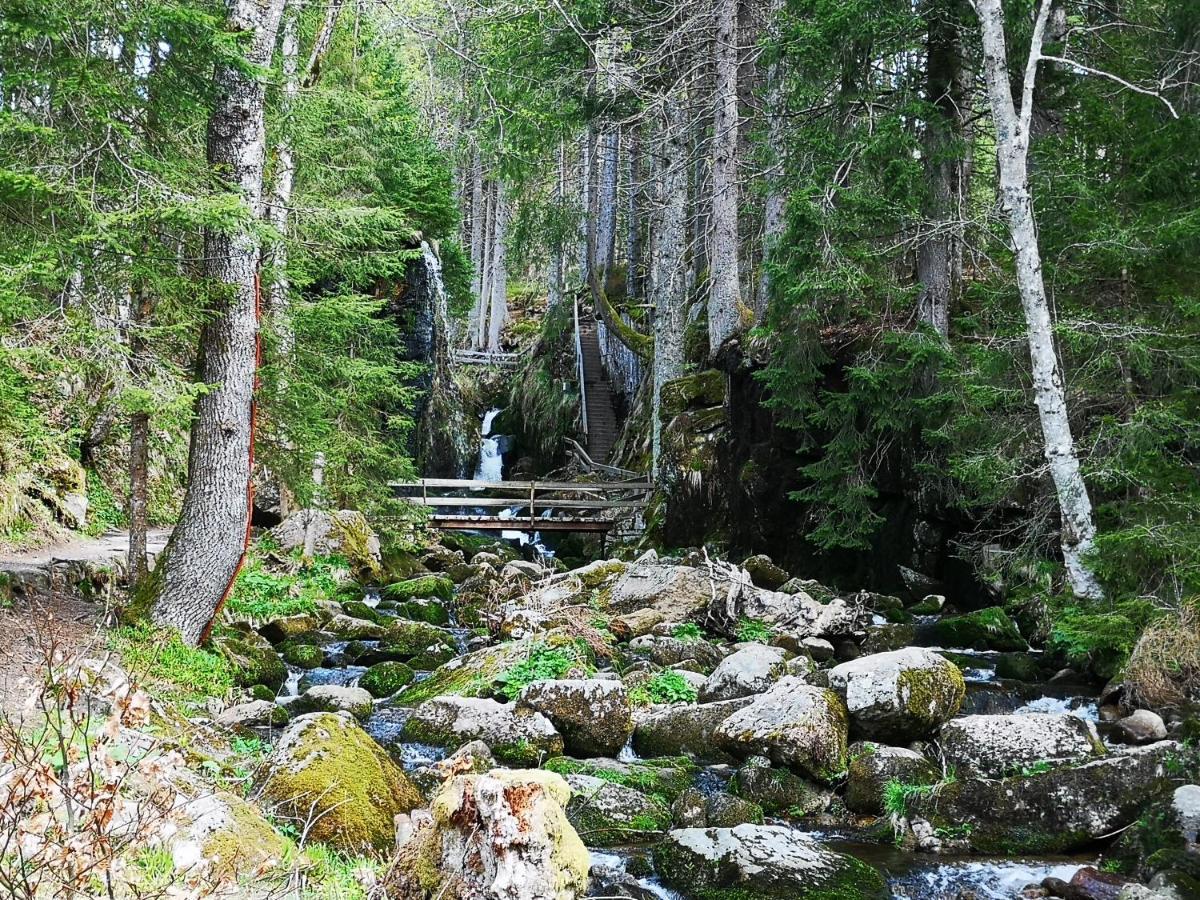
[(579, 367)]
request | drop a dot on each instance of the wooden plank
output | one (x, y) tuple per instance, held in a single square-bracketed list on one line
[(541, 502), (490, 523), (466, 484)]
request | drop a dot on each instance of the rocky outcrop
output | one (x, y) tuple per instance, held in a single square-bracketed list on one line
[(794, 724), (516, 736), (752, 669), (343, 532), (900, 696), (607, 814), (684, 730), (678, 593), (593, 715), (502, 834), (996, 746), (762, 861), (327, 775)]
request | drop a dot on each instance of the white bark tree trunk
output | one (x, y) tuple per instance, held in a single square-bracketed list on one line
[(498, 316), (486, 259), (585, 205), (668, 264), (285, 179), (557, 275), (209, 541), (478, 216), (1012, 148), (724, 299)]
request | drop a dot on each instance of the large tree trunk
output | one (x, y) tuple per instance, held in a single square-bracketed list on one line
[(281, 192), (586, 223), (486, 255), (1012, 148), (208, 543), (498, 316), (776, 200), (606, 203), (724, 299), (939, 253), (669, 279)]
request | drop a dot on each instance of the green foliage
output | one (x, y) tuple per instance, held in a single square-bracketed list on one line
[(544, 663), (331, 875), (687, 631), (663, 687), (159, 657), (104, 510), (754, 630), (265, 591)]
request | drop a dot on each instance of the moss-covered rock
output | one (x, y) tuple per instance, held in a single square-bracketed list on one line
[(335, 698), (984, 629), (287, 628), (605, 813), (764, 572), (778, 791), (994, 746), (229, 833), (762, 861), (385, 678), (593, 715), (901, 695), (253, 658), (1019, 667), (405, 640), (351, 628), (303, 656), (326, 771), (431, 611), (702, 389), (664, 778), (514, 736), (470, 675), (874, 766), (421, 587), (684, 730), (357, 609)]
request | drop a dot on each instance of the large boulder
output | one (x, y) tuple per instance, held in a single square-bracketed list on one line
[(593, 715), (516, 736), (764, 573), (874, 766), (502, 834), (672, 651), (793, 724), (344, 532), (327, 773), (385, 678), (663, 779), (984, 629), (762, 861), (901, 695), (252, 657), (606, 814), (471, 675), (678, 593), (751, 669), (997, 746), (335, 698), (425, 646), (1053, 811), (683, 730), (255, 713), (777, 790)]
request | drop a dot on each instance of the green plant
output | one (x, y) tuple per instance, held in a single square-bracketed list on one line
[(158, 655), (664, 687), (104, 511), (687, 631), (754, 630), (544, 663), (260, 594)]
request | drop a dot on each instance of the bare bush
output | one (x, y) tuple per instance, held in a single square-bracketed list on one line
[(1163, 671)]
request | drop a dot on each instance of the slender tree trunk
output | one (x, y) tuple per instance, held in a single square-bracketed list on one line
[(499, 293), (281, 193), (585, 205), (478, 216), (606, 203), (487, 258), (635, 275), (724, 299), (557, 287), (776, 200), (1012, 148), (939, 254), (208, 543), (668, 265), (139, 448)]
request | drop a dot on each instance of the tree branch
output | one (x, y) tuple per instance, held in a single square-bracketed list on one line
[(1088, 70)]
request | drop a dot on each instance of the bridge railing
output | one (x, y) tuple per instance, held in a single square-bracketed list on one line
[(485, 358)]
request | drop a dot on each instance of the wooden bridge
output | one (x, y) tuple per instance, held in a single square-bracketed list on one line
[(485, 358), (524, 505)]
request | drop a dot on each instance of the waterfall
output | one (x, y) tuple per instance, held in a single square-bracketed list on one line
[(437, 291), (491, 460)]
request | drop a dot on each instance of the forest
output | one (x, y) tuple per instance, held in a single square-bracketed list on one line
[(546, 449)]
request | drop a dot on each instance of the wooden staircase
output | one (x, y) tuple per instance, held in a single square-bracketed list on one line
[(601, 412)]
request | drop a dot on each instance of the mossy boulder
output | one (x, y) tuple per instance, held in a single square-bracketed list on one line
[(684, 730), (664, 778), (702, 389), (421, 587), (593, 715), (406, 641), (303, 656), (253, 658), (385, 678), (695, 809), (901, 695), (762, 861), (428, 610), (999, 745), (1019, 667), (873, 766), (794, 724), (326, 771), (357, 609), (1161, 833), (777, 790), (335, 698), (289, 627), (352, 628), (230, 834), (470, 675), (984, 629), (518, 737), (605, 813), (764, 573)]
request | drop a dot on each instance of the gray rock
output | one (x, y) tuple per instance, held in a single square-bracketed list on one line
[(521, 737), (750, 670), (682, 730), (254, 713), (329, 530), (671, 651), (606, 814), (1186, 805), (593, 715), (872, 766), (901, 695), (764, 573), (335, 698), (998, 746), (777, 790), (678, 593), (1142, 727), (349, 628), (794, 724)]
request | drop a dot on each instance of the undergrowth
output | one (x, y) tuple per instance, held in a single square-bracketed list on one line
[(665, 687), (188, 674), (261, 593), (544, 663)]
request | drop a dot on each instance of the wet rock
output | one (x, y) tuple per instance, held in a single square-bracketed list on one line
[(751, 669), (985, 629), (357, 609), (281, 629), (900, 696), (349, 628), (335, 698), (723, 810), (426, 609), (762, 861), (503, 834), (1019, 667), (886, 638), (302, 656), (385, 678), (1142, 727), (326, 771), (252, 657), (794, 724), (606, 814), (671, 651), (343, 532), (514, 736), (472, 674), (997, 746), (872, 766), (423, 586), (777, 790), (683, 729), (253, 714), (1089, 883), (929, 605), (404, 640), (764, 573), (593, 715), (1043, 812)]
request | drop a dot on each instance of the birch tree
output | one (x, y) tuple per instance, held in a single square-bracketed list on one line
[(209, 541), (1016, 200)]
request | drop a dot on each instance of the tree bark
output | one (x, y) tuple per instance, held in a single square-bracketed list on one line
[(485, 279), (634, 235), (1012, 148), (139, 448), (285, 179), (939, 253), (724, 299), (209, 541), (498, 316), (477, 223), (606, 203), (556, 288), (586, 157), (776, 201)]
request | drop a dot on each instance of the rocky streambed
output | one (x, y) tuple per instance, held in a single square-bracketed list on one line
[(687, 728)]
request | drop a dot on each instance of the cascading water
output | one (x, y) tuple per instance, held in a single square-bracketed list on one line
[(491, 459)]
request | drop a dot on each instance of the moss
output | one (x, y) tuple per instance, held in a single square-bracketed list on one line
[(1020, 667), (385, 678), (422, 587), (329, 772), (985, 629), (359, 610), (407, 639), (470, 675), (354, 537), (931, 696), (303, 656), (247, 844), (663, 779), (703, 389), (431, 612)]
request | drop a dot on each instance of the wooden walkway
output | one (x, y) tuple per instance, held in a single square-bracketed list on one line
[(485, 358), (462, 504), (601, 413)]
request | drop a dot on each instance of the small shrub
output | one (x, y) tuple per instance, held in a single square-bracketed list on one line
[(544, 663), (687, 631), (754, 630), (104, 511), (1164, 669), (665, 687)]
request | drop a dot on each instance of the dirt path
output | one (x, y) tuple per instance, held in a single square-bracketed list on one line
[(107, 549)]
